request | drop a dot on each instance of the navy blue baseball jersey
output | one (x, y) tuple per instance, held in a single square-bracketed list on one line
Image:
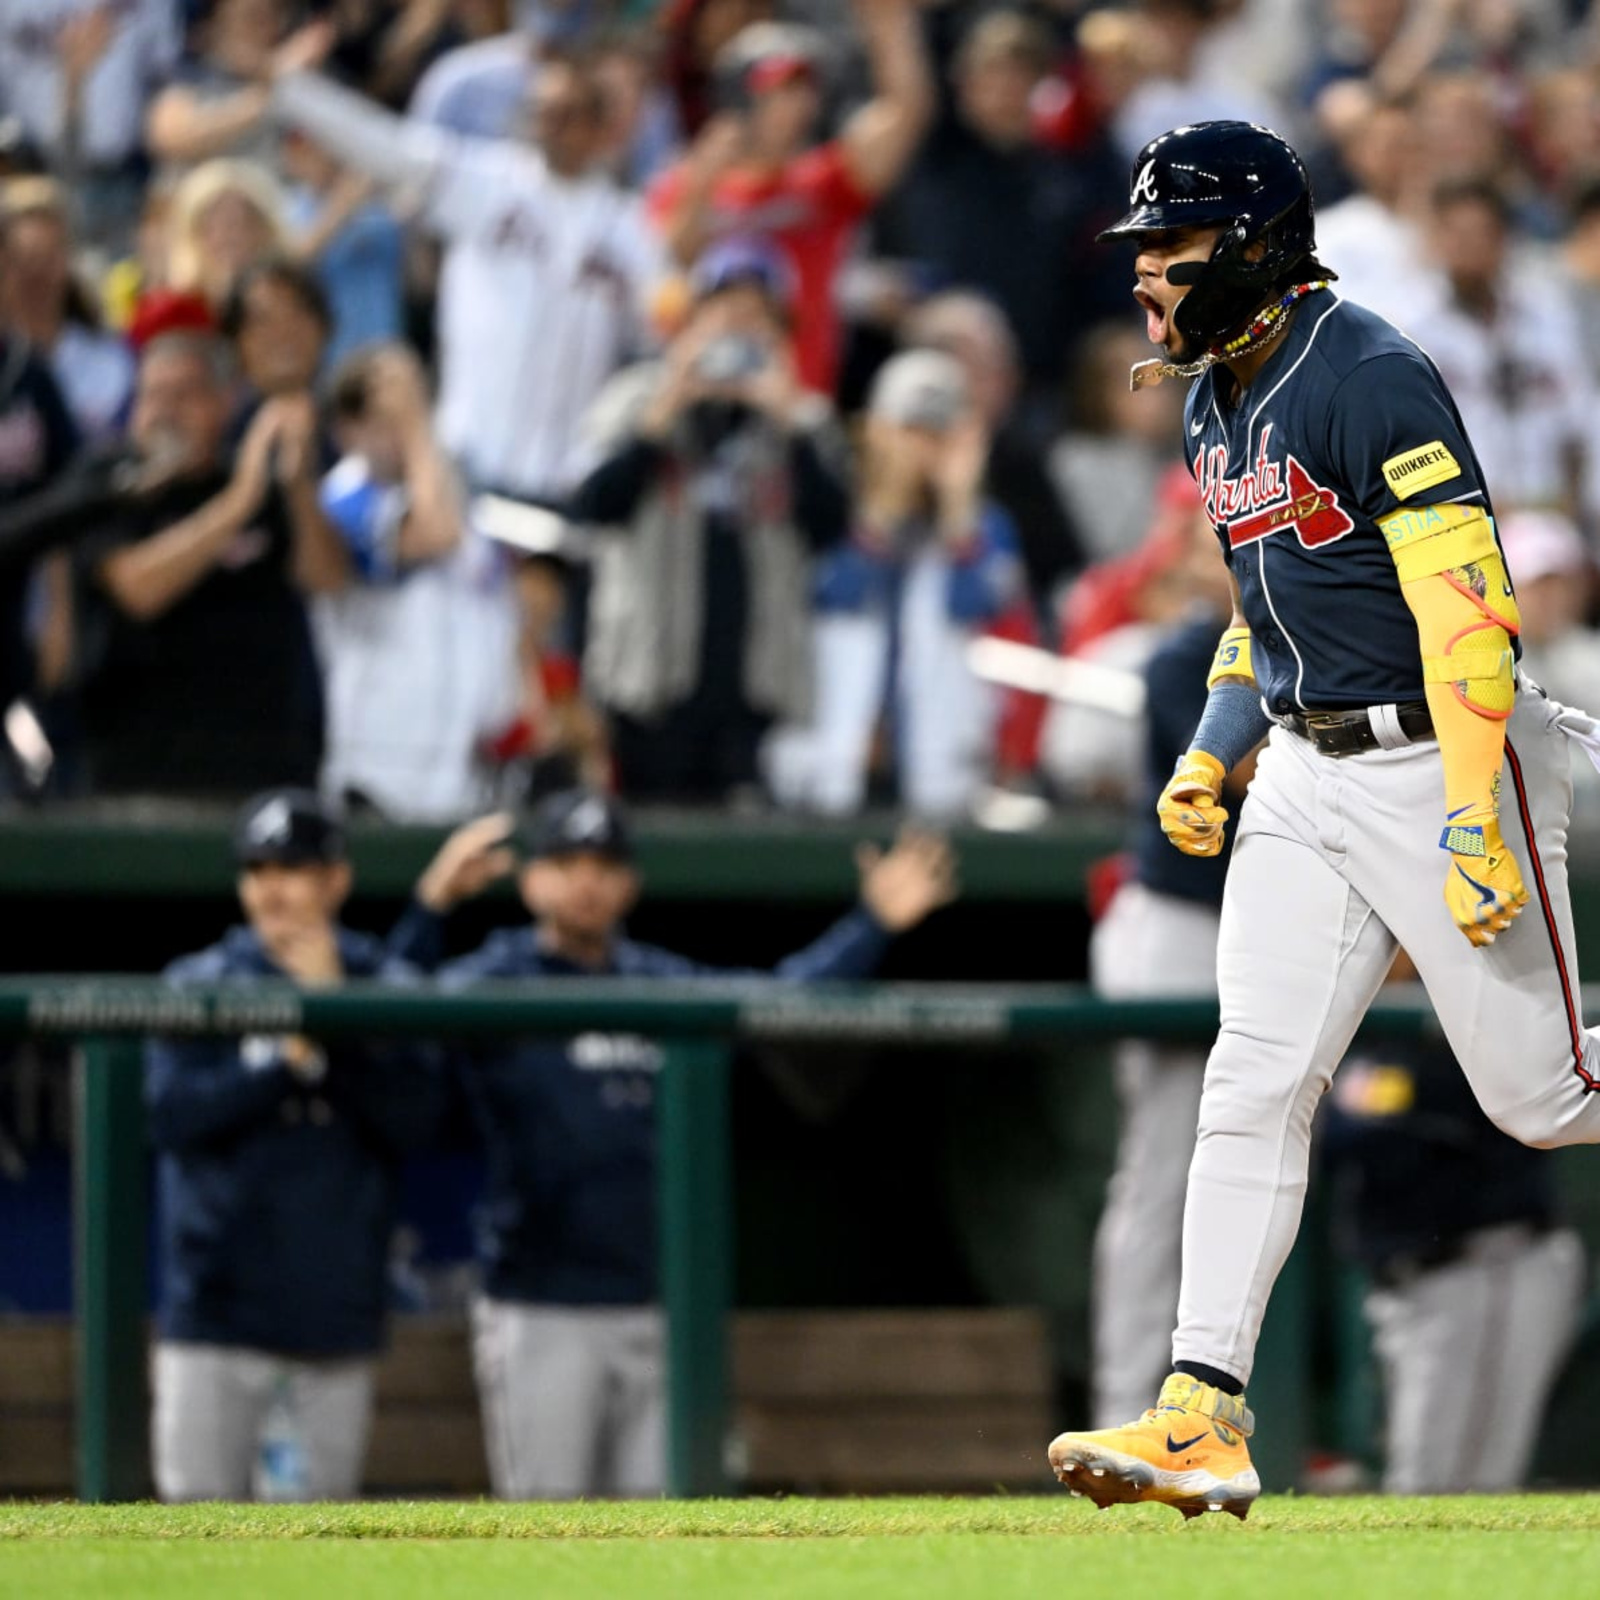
[(1348, 421)]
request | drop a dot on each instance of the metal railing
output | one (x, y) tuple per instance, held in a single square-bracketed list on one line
[(698, 1024)]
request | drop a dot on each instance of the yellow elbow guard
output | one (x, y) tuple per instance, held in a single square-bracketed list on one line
[(1232, 659)]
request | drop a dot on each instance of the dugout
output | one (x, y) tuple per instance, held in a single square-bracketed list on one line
[(932, 1180)]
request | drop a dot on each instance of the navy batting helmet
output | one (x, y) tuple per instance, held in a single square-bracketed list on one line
[(1245, 178)]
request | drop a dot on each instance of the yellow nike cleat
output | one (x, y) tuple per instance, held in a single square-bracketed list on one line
[(1187, 1452)]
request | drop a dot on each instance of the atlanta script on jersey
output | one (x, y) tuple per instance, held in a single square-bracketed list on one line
[(1347, 422)]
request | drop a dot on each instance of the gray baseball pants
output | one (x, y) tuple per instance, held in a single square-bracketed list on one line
[(1336, 862), (1494, 1325), (573, 1399), (212, 1401), (1146, 944)]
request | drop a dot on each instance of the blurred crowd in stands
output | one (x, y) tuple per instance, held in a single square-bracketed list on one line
[(438, 401)]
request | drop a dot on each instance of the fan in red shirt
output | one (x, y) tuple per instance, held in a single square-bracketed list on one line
[(753, 170)]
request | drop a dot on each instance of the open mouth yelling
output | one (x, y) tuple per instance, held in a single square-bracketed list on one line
[(1155, 316)]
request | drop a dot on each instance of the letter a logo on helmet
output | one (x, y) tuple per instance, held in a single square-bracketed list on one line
[(1245, 180)]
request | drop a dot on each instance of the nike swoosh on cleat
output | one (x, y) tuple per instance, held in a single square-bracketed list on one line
[(1195, 428), (1178, 1446)]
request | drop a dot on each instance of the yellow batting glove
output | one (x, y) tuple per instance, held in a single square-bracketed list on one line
[(1190, 814), (1484, 891)]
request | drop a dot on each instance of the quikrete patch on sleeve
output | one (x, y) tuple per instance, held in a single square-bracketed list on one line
[(1420, 469)]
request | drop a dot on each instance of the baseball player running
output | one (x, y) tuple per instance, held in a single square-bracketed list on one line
[(1375, 630)]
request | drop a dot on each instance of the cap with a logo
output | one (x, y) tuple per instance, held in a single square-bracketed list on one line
[(573, 822), (289, 828)]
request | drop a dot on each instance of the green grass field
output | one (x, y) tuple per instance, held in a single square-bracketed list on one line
[(1055, 1547)]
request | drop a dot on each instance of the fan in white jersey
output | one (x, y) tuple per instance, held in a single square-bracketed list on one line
[(547, 266), (1502, 332), (109, 57), (419, 651)]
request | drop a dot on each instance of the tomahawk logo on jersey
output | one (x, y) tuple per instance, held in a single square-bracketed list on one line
[(1272, 495), (1295, 483)]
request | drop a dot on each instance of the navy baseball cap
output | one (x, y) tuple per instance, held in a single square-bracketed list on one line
[(574, 821), (288, 828)]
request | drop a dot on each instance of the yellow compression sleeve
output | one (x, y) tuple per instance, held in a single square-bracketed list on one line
[(1454, 581)]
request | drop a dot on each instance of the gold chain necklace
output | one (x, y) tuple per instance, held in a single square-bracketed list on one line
[(1264, 331)]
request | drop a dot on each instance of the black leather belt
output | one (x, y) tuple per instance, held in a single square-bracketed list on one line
[(1348, 733)]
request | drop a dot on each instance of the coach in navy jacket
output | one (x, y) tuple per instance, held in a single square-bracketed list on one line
[(568, 1324), (278, 1164)]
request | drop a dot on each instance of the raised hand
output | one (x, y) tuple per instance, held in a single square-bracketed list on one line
[(909, 882), (295, 457), (253, 465), (305, 49), (84, 40), (472, 858)]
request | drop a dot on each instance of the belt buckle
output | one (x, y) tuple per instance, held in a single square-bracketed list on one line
[(1325, 721)]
